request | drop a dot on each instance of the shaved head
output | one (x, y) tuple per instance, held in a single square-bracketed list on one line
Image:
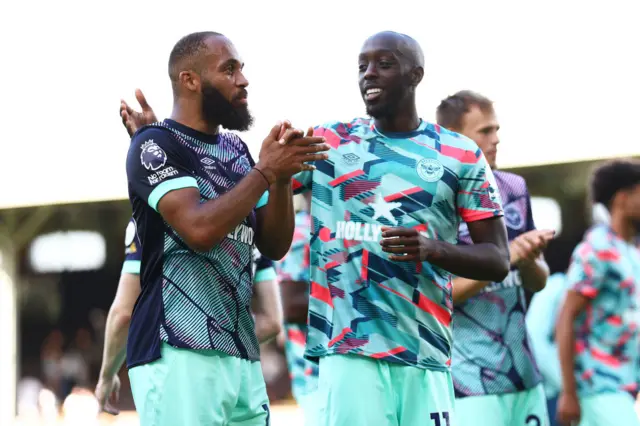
[(391, 66), (406, 47)]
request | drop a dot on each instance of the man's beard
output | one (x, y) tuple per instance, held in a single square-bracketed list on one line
[(381, 111), (394, 98), (387, 109), (216, 109)]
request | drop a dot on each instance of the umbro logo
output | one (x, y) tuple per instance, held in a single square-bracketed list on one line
[(350, 159), (209, 164)]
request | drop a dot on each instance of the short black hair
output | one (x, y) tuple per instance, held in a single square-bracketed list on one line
[(186, 51), (614, 176), (451, 110)]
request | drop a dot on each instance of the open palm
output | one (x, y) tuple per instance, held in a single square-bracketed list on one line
[(132, 119)]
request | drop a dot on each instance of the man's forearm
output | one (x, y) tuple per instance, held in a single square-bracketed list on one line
[(565, 339), (267, 310), (483, 262), (464, 289), (534, 275), (209, 223), (115, 342), (266, 328), (277, 222)]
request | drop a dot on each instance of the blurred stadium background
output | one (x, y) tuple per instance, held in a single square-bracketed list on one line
[(562, 75)]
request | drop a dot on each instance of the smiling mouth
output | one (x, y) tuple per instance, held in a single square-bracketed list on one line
[(372, 94)]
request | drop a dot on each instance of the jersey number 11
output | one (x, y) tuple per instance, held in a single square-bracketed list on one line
[(437, 416)]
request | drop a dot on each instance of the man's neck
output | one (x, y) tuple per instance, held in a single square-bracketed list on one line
[(623, 227), (403, 121), (193, 120)]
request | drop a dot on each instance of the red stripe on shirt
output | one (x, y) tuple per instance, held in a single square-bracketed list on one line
[(321, 293), (346, 177)]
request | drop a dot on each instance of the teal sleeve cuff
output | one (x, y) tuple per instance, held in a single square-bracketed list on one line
[(266, 274), (131, 267), (168, 186), (263, 200)]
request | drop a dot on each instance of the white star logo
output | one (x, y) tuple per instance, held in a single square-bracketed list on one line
[(382, 208)]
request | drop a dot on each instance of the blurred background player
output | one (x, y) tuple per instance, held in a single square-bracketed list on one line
[(493, 368), (293, 272), (380, 311), (542, 315), (597, 329)]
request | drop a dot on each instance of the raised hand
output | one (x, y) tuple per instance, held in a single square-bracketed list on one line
[(406, 245), (286, 151), (529, 246), (133, 120)]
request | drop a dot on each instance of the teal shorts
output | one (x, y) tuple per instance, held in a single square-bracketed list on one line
[(309, 405), (199, 387), (525, 408), (355, 390), (609, 409)]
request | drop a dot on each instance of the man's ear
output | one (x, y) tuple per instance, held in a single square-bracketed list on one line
[(416, 76), (190, 80)]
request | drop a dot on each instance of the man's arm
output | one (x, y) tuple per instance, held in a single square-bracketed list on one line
[(204, 225), (534, 274), (266, 305), (276, 222), (117, 328), (531, 276), (464, 289), (585, 279), (486, 259), (525, 254), (177, 199), (115, 340), (573, 305), (118, 320)]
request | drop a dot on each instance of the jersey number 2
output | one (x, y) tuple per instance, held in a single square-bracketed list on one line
[(436, 418), (532, 420)]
